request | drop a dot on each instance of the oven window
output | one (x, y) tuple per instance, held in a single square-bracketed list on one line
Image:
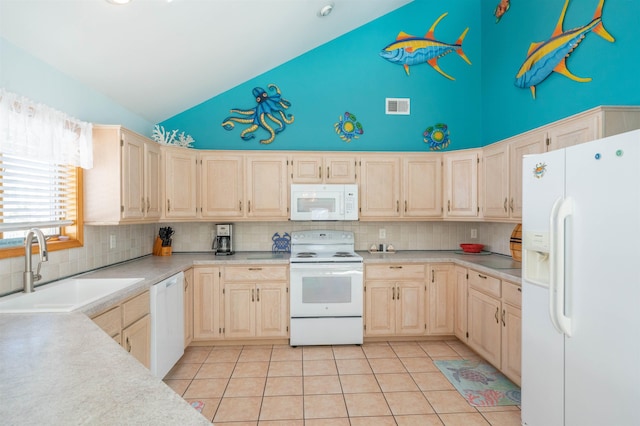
[(307, 205), (326, 290)]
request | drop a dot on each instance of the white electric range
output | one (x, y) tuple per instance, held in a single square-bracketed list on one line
[(326, 288)]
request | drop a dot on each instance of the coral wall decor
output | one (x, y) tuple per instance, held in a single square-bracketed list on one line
[(437, 136), (164, 137), (550, 56), (409, 50), (348, 127), (268, 106)]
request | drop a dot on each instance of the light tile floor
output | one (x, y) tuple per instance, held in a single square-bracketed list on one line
[(391, 383)]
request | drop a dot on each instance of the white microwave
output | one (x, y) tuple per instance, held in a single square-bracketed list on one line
[(324, 202)]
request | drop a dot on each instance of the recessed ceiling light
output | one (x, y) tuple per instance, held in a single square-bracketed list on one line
[(325, 10), (118, 1)]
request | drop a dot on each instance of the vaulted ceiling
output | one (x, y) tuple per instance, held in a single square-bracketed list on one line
[(159, 57)]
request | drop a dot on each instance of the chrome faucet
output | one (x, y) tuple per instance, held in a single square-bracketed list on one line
[(29, 277)]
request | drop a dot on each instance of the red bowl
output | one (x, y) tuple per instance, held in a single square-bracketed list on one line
[(472, 248)]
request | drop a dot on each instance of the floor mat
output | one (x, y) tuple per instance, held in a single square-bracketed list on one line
[(480, 383)]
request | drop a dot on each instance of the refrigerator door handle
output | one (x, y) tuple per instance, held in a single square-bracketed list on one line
[(553, 263), (561, 210)]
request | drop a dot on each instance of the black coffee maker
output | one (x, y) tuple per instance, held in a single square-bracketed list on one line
[(223, 243)]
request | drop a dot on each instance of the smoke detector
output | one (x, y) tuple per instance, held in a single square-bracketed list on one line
[(325, 10)]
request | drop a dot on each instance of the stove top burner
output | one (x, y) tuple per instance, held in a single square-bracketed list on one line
[(343, 254), (306, 254)]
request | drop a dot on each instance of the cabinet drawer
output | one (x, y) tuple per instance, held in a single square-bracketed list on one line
[(395, 272), (256, 273), (512, 294), (135, 308), (110, 322), (484, 283)]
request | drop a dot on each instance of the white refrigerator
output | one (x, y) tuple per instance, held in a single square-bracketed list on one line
[(581, 285)]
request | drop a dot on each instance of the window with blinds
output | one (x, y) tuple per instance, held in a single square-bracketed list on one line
[(34, 194)]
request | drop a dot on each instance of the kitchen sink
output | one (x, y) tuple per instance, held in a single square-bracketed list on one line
[(65, 295)]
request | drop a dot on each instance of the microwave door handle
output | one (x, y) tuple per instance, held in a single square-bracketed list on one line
[(342, 203)]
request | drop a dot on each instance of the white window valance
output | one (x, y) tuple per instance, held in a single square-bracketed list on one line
[(36, 131)]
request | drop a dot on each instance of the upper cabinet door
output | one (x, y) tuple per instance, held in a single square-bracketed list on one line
[(180, 182), (495, 182), (152, 176), (422, 186), (340, 169), (532, 143), (461, 184), (132, 179), (379, 186), (318, 168), (222, 185), (267, 187)]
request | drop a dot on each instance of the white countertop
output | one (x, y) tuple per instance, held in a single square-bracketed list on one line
[(63, 369)]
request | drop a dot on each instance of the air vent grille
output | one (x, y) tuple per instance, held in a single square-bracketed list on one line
[(398, 106)]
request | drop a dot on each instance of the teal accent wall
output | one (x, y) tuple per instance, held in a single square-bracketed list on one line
[(348, 74), (508, 110), (25, 75), (480, 107)]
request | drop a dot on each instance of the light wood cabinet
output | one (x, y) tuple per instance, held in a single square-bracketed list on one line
[(207, 304), (461, 296), (405, 186), (267, 187), (180, 183), (495, 182), (256, 301), (320, 168), (495, 322), (394, 300), (379, 186), (136, 339), (440, 299), (422, 186), (511, 362), (124, 185), (484, 326), (461, 184), (188, 306), (222, 186), (590, 125), (129, 324)]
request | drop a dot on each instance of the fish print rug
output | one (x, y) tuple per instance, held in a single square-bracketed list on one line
[(479, 383)]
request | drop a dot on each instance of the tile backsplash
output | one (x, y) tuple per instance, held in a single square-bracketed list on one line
[(132, 241)]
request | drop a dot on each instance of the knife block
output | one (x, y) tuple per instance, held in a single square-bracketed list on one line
[(158, 250)]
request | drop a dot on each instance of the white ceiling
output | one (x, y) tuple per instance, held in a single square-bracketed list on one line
[(157, 57)]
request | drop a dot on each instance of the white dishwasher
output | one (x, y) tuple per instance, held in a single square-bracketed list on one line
[(167, 324)]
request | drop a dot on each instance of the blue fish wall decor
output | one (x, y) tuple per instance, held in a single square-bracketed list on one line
[(409, 50), (550, 56)]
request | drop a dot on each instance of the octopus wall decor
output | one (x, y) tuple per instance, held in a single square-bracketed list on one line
[(271, 106)]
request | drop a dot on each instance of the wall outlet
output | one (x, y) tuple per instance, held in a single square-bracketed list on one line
[(112, 241), (474, 233), (382, 233)]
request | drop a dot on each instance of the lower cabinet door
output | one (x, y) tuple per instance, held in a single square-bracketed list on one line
[(272, 315), (410, 308), (136, 339), (239, 310), (380, 308), (484, 326)]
